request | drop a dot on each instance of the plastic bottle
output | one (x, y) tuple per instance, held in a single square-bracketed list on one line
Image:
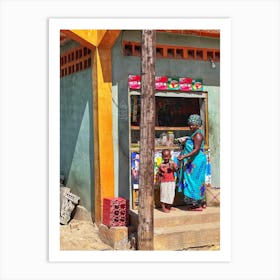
[(170, 138), (163, 139)]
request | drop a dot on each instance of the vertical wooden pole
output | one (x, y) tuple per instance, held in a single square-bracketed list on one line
[(147, 143)]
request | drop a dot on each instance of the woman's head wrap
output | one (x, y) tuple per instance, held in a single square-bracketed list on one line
[(195, 119)]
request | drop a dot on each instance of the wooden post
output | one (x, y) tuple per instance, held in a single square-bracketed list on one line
[(147, 143)]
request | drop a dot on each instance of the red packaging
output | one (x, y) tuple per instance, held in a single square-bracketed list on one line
[(185, 84), (161, 82), (134, 81)]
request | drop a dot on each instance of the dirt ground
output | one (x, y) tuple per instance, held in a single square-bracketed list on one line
[(81, 235)]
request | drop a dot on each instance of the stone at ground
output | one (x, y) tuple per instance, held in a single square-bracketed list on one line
[(80, 213)]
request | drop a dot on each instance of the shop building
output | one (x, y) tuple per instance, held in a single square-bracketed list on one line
[(98, 108)]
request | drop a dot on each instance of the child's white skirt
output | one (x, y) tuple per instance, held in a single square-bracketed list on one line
[(167, 192)]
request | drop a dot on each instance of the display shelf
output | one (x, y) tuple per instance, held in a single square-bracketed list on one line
[(157, 148), (167, 128)]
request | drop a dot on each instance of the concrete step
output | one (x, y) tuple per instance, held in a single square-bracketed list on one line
[(186, 237), (182, 229), (180, 217)]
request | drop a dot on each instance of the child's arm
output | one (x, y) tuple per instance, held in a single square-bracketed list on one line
[(162, 168)]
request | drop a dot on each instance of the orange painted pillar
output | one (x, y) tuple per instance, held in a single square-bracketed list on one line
[(101, 42), (103, 90)]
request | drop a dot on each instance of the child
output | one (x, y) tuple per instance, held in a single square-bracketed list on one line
[(167, 181)]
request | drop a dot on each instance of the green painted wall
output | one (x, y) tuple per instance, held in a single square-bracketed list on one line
[(125, 65), (214, 132), (76, 134)]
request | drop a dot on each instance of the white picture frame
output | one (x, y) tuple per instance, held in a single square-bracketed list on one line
[(27, 149)]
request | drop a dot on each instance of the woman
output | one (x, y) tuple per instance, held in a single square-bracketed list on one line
[(192, 173)]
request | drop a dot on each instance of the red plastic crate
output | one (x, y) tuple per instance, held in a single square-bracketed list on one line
[(115, 211)]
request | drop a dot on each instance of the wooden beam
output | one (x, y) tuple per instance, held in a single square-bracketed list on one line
[(109, 38), (94, 38), (215, 33), (76, 37), (87, 35)]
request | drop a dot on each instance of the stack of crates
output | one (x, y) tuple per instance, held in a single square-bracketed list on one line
[(115, 212)]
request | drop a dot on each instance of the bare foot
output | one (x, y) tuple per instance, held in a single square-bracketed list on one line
[(165, 210), (169, 207), (195, 209)]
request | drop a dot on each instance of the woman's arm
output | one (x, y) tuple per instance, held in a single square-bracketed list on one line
[(198, 138), (172, 165)]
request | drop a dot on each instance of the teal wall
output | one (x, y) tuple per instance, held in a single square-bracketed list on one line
[(76, 134), (125, 65), (214, 132)]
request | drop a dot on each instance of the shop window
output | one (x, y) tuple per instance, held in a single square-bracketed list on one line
[(174, 111), (171, 113)]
